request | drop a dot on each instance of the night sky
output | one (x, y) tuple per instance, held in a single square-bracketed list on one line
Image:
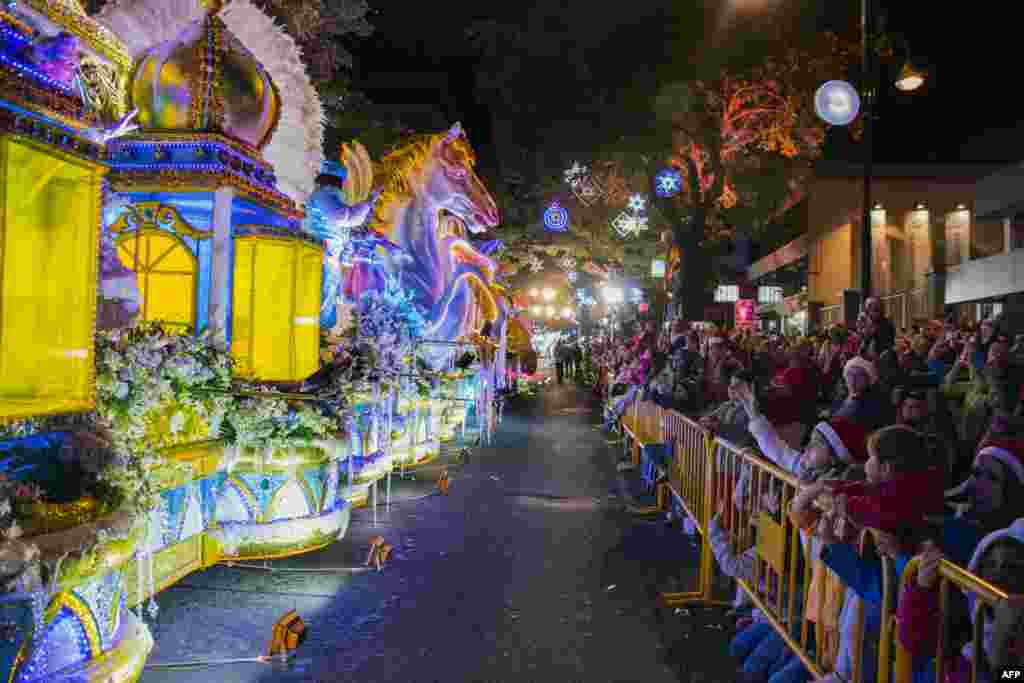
[(968, 56)]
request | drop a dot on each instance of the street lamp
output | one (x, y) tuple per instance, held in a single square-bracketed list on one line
[(910, 78), (837, 107)]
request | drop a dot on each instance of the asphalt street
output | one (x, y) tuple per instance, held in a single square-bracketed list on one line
[(531, 569)]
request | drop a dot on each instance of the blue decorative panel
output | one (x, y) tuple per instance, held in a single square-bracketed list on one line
[(263, 486)]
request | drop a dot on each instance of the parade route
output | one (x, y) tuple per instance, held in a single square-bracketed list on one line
[(531, 569)]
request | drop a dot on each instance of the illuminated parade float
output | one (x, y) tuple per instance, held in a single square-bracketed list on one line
[(214, 343)]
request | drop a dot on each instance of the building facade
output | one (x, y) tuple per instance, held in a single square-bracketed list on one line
[(929, 240)]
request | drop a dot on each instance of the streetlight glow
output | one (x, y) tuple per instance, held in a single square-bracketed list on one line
[(548, 294), (909, 79), (535, 310), (566, 312), (612, 295), (550, 311), (534, 292), (837, 103)]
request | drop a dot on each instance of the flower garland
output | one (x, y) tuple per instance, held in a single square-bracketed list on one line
[(274, 423), (155, 390)]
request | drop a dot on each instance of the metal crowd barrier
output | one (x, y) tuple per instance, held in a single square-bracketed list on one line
[(704, 472), (986, 596)]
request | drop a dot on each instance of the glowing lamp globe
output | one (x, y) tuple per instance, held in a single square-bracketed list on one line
[(548, 293), (837, 103), (550, 311), (566, 312)]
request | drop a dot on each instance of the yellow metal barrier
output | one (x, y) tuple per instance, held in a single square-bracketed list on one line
[(691, 481), (985, 594), (704, 473)]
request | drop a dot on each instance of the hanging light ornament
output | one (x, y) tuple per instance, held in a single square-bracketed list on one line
[(637, 203), (584, 186), (568, 264), (628, 224), (576, 173), (668, 182), (534, 263), (556, 218)]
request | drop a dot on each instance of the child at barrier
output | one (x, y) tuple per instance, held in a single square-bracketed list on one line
[(763, 653), (998, 560), (903, 485)]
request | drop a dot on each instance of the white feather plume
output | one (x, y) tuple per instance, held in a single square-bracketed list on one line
[(142, 24), (296, 149)]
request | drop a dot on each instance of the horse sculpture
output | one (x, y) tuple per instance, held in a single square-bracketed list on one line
[(430, 197)]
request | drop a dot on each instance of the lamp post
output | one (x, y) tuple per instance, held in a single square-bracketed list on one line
[(837, 104), (867, 23)]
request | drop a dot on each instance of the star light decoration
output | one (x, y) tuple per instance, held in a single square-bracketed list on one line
[(568, 264), (632, 221), (534, 263), (668, 182)]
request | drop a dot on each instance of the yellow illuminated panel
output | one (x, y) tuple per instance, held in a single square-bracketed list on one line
[(167, 277), (276, 308), (49, 223)]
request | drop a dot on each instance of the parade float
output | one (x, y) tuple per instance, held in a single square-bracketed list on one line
[(213, 344)]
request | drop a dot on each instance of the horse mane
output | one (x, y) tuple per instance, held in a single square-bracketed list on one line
[(399, 171)]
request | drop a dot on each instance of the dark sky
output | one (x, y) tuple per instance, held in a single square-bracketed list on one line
[(970, 56)]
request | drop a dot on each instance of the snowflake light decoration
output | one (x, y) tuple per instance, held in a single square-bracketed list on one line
[(668, 182), (629, 224), (576, 174), (637, 203), (534, 263), (584, 186), (556, 218), (567, 263)]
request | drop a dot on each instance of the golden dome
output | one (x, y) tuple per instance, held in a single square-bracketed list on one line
[(205, 81)]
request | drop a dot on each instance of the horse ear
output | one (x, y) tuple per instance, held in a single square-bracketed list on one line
[(454, 132)]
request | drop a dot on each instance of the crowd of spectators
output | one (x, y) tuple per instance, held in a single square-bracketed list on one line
[(913, 434)]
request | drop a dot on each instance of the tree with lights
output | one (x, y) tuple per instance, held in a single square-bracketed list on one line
[(742, 134)]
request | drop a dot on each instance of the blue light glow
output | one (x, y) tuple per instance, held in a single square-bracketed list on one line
[(556, 218)]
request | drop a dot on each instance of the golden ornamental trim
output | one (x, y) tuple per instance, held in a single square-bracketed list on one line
[(157, 216)]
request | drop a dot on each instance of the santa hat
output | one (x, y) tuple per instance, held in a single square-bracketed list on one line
[(1013, 532), (847, 439), (863, 364), (1009, 453)]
